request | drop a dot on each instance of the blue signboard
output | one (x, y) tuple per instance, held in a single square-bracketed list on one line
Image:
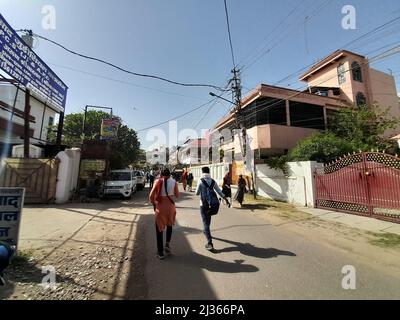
[(22, 64)]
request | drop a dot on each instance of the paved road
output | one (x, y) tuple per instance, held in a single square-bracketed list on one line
[(254, 259)]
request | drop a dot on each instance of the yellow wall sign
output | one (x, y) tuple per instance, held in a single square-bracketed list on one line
[(89, 168)]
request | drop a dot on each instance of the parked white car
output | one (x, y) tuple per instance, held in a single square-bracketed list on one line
[(121, 182), (140, 179)]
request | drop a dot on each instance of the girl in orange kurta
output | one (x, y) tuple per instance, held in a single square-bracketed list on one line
[(162, 197)]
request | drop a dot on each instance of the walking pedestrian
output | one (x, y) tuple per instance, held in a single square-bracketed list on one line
[(226, 187), (161, 196), (208, 186), (184, 179), (190, 179), (241, 190), (151, 179)]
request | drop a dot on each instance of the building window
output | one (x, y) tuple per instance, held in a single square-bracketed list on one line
[(356, 70), (361, 100), (50, 129), (341, 74), (324, 93)]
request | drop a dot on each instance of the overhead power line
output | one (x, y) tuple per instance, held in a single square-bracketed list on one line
[(229, 33), (253, 52), (212, 101), (205, 114), (122, 81), (266, 106), (279, 38), (123, 69), (379, 28), (178, 117), (347, 45)]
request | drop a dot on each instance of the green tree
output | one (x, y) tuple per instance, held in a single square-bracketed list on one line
[(364, 127), (73, 126), (124, 151), (351, 130), (321, 147)]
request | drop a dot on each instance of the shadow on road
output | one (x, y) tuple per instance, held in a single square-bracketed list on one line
[(250, 250), (255, 206), (136, 285), (213, 265), (177, 277), (180, 276)]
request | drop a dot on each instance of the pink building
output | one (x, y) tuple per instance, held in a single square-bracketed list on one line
[(348, 75), (194, 152), (277, 118)]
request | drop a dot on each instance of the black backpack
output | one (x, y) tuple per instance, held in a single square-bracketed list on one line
[(209, 199)]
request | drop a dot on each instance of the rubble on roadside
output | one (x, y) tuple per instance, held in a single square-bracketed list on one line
[(80, 273)]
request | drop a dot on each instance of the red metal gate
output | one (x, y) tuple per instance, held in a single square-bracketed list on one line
[(366, 184)]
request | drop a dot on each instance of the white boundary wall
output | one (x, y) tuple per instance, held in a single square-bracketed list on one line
[(297, 188), (68, 172), (217, 171)]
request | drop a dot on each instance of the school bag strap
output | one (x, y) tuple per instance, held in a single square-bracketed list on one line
[(207, 185)]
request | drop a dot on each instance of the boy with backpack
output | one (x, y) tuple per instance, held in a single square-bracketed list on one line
[(209, 202)]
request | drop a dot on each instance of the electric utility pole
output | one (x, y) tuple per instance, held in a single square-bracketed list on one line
[(240, 122), (237, 98)]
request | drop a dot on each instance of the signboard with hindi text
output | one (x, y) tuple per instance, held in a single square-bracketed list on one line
[(22, 64), (89, 168), (11, 204), (109, 129)]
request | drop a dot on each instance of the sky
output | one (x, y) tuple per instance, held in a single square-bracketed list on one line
[(187, 41)]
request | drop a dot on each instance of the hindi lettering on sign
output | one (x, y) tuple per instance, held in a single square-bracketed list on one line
[(4, 232), (9, 216), (9, 201), (21, 63)]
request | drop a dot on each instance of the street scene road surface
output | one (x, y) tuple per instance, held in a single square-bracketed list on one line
[(108, 251), (199, 150)]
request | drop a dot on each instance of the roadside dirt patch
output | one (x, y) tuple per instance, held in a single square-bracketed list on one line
[(90, 247)]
